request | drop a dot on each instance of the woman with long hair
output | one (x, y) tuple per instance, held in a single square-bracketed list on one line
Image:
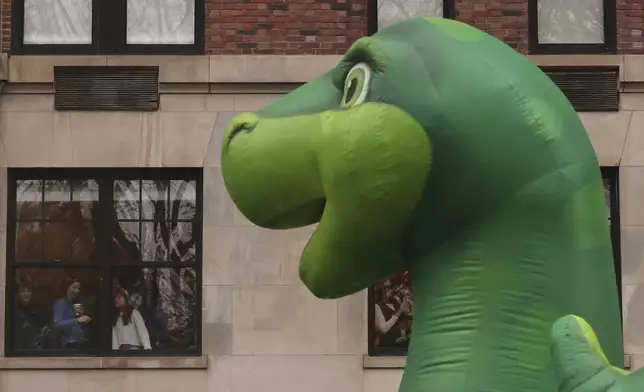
[(129, 331), (387, 317), (70, 318)]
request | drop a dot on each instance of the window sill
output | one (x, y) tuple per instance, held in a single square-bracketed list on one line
[(72, 363), (383, 362)]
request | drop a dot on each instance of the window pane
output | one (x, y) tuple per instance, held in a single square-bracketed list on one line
[(154, 241), (29, 241), (48, 303), (393, 297), (160, 21), (58, 22), (126, 199), (183, 195), (71, 240), (391, 11), (154, 200), (165, 300), (84, 198), (571, 21), (607, 191), (29, 199), (125, 244), (57, 199), (182, 243)]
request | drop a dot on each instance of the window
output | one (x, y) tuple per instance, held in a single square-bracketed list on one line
[(383, 13), (396, 334), (108, 26), (610, 176), (572, 26), (104, 262)]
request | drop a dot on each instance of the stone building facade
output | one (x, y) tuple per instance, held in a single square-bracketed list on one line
[(260, 327)]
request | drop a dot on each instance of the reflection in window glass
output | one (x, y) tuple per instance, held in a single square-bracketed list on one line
[(84, 198), (164, 298), (607, 192), (126, 199), (392, 11), (55, 308), (183, 195), (58, 22), (154, 200), (154, 241), (571, 21), (160, 22), (182, 242), (125, 244), (57, 199), (29, 241), (29, 199), (71, 240), (55, 226), (165, 229)]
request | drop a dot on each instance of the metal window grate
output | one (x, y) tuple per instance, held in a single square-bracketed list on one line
[(588, 88), (106, 88)]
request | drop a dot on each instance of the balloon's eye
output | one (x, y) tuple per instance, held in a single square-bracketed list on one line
[(356, 85)]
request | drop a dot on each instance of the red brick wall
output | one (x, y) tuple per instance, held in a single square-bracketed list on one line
[(331, 26), (286, 27), (504, 19), (508, 20), (630, 26)]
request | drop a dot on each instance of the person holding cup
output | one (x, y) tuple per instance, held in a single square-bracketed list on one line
[(70, 317)]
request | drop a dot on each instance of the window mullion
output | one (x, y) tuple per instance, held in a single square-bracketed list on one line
[(111, 17), (105, 202)]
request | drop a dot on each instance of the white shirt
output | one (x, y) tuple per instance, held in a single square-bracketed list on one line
[(383, 325), (135, 333)]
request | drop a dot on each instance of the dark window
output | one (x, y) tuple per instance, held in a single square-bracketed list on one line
[(382, 13), (108, 27), (572, 26), (610, 175), (104, 262), (398, 288)]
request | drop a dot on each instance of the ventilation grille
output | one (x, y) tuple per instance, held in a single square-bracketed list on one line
[(588, 88), (106, 88)]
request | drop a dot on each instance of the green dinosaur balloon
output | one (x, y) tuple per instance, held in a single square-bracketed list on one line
[(434, 147)]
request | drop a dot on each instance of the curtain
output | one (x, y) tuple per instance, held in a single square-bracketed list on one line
[(391, 11), (160, 21), (58, 22), (571, 21)]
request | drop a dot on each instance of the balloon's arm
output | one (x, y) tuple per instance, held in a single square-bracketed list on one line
[(581, 363)]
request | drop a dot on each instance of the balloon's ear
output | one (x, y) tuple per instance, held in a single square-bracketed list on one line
[(579, 359)]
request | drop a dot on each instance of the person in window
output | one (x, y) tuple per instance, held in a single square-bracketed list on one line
[(30, 323), (69, 317), (129, 331), (387, 317), (140, 302), (406, 316)]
